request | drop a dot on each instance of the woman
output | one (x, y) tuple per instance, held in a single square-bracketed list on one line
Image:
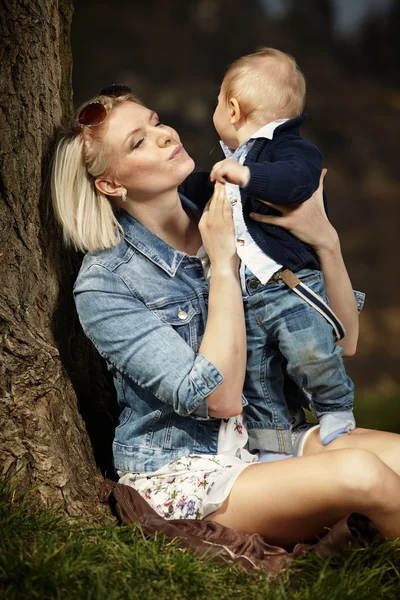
[(176, 345)]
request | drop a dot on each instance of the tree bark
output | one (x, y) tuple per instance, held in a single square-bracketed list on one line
[(45, 363)]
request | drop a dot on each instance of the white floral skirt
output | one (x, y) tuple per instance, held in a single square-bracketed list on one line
[(191, 487)]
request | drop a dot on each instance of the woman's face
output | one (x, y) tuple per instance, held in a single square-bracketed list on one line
[(146, 156)]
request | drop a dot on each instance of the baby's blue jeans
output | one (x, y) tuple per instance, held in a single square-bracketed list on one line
[(284, 332)]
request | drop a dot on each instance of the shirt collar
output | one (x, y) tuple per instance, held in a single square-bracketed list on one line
[(151, 246), (266, 131)]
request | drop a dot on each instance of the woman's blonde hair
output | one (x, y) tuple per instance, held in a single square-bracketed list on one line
[(267, 84), (85, 214)]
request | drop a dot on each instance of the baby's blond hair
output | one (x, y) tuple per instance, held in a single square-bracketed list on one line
[(267, 84)]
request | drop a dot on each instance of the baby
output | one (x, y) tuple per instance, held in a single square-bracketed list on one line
[(289, 323)]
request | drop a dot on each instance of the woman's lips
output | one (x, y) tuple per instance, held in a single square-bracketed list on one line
[(177, 152)]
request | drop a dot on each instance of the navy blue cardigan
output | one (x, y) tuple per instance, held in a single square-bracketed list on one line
[(286, 171)]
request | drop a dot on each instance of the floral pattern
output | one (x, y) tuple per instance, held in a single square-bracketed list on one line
[(179, 496), (184, 488), (238, 426)]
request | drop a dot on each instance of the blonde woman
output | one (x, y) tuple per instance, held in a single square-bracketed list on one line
[(175, 341)]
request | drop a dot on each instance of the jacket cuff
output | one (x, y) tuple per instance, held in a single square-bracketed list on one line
[(206, 378), (258, 179), (360, 299)]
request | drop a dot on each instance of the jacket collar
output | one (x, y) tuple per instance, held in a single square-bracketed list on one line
[(292, 125), (266, 131), (151, 246)]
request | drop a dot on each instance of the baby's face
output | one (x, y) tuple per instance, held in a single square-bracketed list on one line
[(222, 122)]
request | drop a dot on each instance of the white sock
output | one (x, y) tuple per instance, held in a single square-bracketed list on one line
[(335, 424)]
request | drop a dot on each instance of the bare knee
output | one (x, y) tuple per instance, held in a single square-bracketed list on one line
[(363, 476)]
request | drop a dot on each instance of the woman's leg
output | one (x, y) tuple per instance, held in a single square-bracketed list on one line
[(382, 443), (295, 499)]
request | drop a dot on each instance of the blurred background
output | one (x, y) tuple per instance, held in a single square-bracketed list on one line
[(173, 54)]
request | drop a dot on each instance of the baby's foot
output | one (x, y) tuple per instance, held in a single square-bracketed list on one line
[(335, 424), (267, 456)]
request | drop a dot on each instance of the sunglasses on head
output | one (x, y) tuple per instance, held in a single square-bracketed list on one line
[(95, 113)]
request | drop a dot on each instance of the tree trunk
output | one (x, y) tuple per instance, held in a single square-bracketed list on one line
[(42, 434)]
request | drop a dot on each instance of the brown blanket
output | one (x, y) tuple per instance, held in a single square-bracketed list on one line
[(251, 551)]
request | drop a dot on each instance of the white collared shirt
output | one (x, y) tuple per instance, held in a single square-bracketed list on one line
[(253, 259)]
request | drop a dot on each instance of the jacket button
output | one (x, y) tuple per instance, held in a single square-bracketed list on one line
[(240, 242), (254, 284), (233, 201), (182, 314)]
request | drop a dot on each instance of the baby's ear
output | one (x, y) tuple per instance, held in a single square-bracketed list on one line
[(235, 111)]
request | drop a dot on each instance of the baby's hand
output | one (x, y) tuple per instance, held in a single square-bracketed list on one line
[(230, 171)]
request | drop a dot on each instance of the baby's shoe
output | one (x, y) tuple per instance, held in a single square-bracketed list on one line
[(335, 424)]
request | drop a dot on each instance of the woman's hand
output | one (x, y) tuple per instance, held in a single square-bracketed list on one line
[(217, 230), (307, 221)]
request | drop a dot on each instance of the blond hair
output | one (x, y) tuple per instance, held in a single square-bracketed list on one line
[(86, 215), (267, 84)]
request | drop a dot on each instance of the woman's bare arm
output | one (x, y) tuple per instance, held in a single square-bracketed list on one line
[(340, 293), (224, 341)]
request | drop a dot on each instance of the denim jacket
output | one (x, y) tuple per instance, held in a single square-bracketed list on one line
[(144, 306)]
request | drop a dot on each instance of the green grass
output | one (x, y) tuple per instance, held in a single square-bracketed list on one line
[(46, 555)]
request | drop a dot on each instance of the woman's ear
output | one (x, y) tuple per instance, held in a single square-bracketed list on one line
[(234, 110), (109, 187)]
